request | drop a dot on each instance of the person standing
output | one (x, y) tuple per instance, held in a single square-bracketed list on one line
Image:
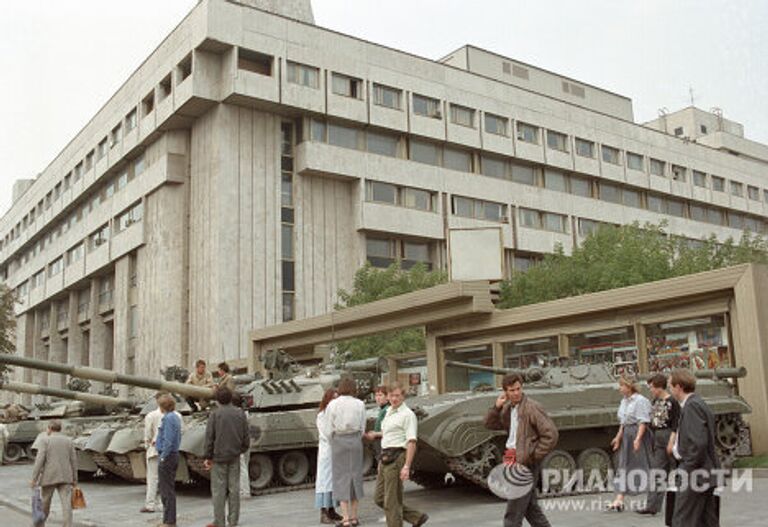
[(532, 435), (151, 424), (56, 470), (694, 448), (665, 414), (225, 379), (344, 425), (226, 438), (200, 377), (324, 473), (382, 401), (245, 457), (3, 441), (167, 445), (398, 448), (633, 443)]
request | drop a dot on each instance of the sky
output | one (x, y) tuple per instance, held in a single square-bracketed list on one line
[(60, 61)]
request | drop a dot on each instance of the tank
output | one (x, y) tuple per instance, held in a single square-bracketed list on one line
[(281, 408), (79, 414), (581, 399)]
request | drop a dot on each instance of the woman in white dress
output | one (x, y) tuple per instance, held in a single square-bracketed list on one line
[(324, 474)]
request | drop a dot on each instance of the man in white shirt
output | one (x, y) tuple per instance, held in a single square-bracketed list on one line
[(398, 448), (3, 441), (151, 424)]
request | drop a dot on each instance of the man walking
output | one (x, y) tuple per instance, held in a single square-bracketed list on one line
[(695, 503), (226, 438), (665, 415), (532, 435), (56, 470), (398, 448)]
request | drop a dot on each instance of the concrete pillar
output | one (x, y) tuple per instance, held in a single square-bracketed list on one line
[(120, 320), (75, 333), (39, 351), (98, 338), (57, 347), (25, 335)]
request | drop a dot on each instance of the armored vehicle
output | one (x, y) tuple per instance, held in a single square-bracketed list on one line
[(581, 399)]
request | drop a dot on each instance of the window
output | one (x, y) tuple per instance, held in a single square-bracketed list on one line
[(287, 263), (679, 173), (581, 187), (765, 196), (632, 198), (425, 152), (462, 115), (387, 96), (148, 104), (495, 124), (656, 204), (346, 86), (114, 137), (610, 193), (55, 267), (380, 252), (344, 136), (735, 221), (138, 166), (75, 254), (286, 241), (130, 217), (753, 193), (130, 120), (318, 131), (585, 148), (426, 106), (698, 213), (382, 192), (699, 343), (557, 141), (166, 88), (457, 159), (635, 161), (254, 62), (737, 189), (418, 199), (415, 252), (527, 133), (101, 150), (554, 180), (481, 210), (524, 174), (611, 155), (494, 167), (703, 129), (676, 208), (463, 207), (718, 183), (184, 69), (699, 179), (98, 238), (303, 75), (89, 161), (122, 180), (657, 167), (382, 144), (679, 131)]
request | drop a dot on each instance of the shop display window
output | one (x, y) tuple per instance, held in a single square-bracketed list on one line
[(459, 379), (412, 373), (616, 347), (696, 343), (540, 353)]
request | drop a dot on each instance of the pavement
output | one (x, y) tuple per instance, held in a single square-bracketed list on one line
[(116, 503)]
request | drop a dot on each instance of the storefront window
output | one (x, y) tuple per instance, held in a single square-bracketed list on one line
[(412, 373), (697, 343), (612, 346), (541, 353), (458, 379)]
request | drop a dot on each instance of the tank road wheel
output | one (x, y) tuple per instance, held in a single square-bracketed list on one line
[(478, 462), (368, 461), (727, 431), (13, 452), (594, 464), (260, 471), (293, 467), (562, 462)]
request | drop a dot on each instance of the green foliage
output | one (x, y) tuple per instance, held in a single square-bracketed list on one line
[(373, 284), (614, 257), (7, 322)]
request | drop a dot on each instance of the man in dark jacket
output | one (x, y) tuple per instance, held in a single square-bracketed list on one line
[(532, 435), (695, 503), (226, 438)]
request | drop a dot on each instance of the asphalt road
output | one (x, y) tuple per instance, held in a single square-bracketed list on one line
[(114, 503)]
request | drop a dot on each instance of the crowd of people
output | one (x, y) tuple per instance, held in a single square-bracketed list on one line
[(675, 430)]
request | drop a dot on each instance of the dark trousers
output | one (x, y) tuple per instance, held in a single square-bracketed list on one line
[(527, 507), (167, 485), (660, 460), (389, 494), (699, 509)]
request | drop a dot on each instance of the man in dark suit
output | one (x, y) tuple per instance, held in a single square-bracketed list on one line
[(695, 503), (56, 470)]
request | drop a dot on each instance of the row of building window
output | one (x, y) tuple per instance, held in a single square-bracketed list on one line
[(463, 160)]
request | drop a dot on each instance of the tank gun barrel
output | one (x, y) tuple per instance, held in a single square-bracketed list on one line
[(722, 373), (34, 389), (480, 367), (107, 376)]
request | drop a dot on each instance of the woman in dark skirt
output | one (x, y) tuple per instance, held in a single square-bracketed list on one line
[(633, 443), (344, 425)]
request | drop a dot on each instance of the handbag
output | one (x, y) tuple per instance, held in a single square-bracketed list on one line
[(390, 455), (78, 498), (38, 515)]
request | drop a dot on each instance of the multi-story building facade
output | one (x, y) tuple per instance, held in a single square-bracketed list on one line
[(254, 161)]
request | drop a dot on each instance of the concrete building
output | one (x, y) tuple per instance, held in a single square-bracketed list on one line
[(254, 161)]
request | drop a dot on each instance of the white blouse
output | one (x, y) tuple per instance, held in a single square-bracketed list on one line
[(344, 415), (634, 409)]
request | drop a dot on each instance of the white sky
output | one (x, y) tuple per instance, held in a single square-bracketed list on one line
[(61, 60)]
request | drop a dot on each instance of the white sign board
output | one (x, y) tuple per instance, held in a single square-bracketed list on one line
[(476, 254)]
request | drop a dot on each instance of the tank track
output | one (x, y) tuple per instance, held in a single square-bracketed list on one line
[(121, 468)]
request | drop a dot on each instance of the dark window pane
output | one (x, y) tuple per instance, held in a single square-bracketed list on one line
[(288, 278)]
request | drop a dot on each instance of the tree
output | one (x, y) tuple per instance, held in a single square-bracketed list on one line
[(373, 284), (613, 257), (7, 323)]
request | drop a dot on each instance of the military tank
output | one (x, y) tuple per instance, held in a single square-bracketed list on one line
[(581, 399), (281, 409), (79, 414)]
